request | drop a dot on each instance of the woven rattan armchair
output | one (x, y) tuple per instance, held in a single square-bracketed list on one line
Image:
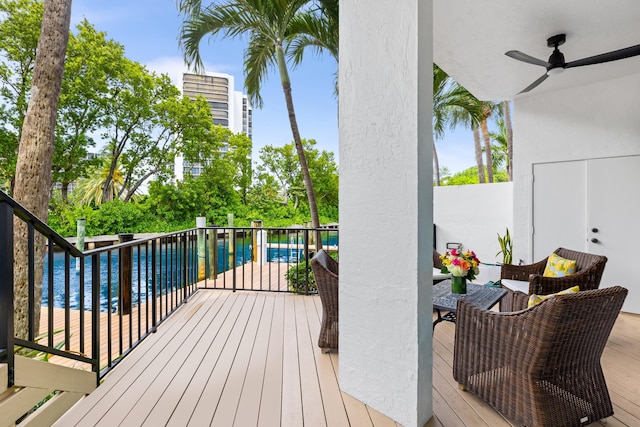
[(539, 366), (589, 272), (325, 271)]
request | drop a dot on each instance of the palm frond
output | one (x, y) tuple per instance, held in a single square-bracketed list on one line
[(259, 56)]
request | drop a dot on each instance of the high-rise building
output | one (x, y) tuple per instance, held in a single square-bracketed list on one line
[(229, 108)]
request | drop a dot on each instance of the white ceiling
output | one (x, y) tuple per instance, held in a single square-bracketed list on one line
[(471, 37)]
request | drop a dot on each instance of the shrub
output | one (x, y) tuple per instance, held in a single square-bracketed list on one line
[(297, 277)]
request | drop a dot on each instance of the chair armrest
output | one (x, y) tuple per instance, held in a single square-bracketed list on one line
[(513, 301), (522, 272)]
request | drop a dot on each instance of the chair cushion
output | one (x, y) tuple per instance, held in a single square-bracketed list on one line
[(537, 299), (559, 267)]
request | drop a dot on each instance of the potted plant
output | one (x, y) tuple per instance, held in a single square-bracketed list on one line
[(506, 248)]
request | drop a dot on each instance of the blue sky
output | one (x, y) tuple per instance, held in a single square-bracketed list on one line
[(149, 29)]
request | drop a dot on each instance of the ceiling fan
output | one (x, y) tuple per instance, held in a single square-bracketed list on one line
[(556, 63)]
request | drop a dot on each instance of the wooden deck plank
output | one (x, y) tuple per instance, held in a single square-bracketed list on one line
[(271, 400), (332, 402), (153, 378), (258, 359), (186, 404), (312, 406), (291, 394), (248, 404), (172, 378), (209, 400), (99, 402), (228, 404)]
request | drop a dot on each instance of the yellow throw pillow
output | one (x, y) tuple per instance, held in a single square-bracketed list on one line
[(537, 299), (559, 267)]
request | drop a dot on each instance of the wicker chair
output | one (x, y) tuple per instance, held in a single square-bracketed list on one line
[(325, 270), (539, 366), (589, 272)]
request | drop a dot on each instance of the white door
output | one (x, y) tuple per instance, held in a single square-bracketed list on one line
[(613, 206), (559, 202)]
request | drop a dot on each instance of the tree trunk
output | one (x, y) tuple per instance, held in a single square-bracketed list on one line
[(509, 129), (33, 170), (436, 165), (487, 148), (478, 148), (64, 190), (286, 87)]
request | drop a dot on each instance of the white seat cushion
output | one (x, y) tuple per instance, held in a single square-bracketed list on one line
[(437, 275), (516, 285)]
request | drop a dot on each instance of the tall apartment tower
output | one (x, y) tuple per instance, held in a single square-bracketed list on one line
[(229, 108)]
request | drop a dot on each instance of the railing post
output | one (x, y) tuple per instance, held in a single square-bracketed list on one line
[(95, 313), (81, 227), (6, 286), (232, 258), (213, 253), (154, 285), (125, 256), (306, 258), (201, 223), (254, 240), (185, 248)]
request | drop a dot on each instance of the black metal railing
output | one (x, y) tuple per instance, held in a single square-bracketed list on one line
[(263, 259), (98, 313), (98, 305)]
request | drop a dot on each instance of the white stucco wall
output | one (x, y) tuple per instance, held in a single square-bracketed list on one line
[(386, 206), (598, 120), (474, 215)]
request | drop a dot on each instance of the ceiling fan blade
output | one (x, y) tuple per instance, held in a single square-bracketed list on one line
[(536, 83), (606, 57), (516, 54)]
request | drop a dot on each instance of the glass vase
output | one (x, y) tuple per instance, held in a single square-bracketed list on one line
[(458, 285)]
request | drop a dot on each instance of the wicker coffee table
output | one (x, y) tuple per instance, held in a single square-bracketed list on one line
[(484, 297)]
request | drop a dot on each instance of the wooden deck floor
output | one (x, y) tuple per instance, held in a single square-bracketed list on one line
[(250, 358)]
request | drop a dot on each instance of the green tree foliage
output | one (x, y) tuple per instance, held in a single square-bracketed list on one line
[(279, 165), (470, 176), (92, 64)]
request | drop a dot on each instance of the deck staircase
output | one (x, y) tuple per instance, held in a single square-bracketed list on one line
[(35, 381)]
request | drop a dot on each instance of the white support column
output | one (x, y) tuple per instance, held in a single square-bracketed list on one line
[(386, 191)]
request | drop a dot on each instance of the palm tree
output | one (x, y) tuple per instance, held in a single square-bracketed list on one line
[(499, 153), (35, 153), (269, 25), (100, 181), (488, 108), (451, 103), (319, 31), (506, 111), (478, 149)]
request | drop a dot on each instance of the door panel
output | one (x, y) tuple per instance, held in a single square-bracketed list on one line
[(613, 204), (559, 207)]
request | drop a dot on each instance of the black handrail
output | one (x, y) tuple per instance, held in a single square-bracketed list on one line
[(22, 213)]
